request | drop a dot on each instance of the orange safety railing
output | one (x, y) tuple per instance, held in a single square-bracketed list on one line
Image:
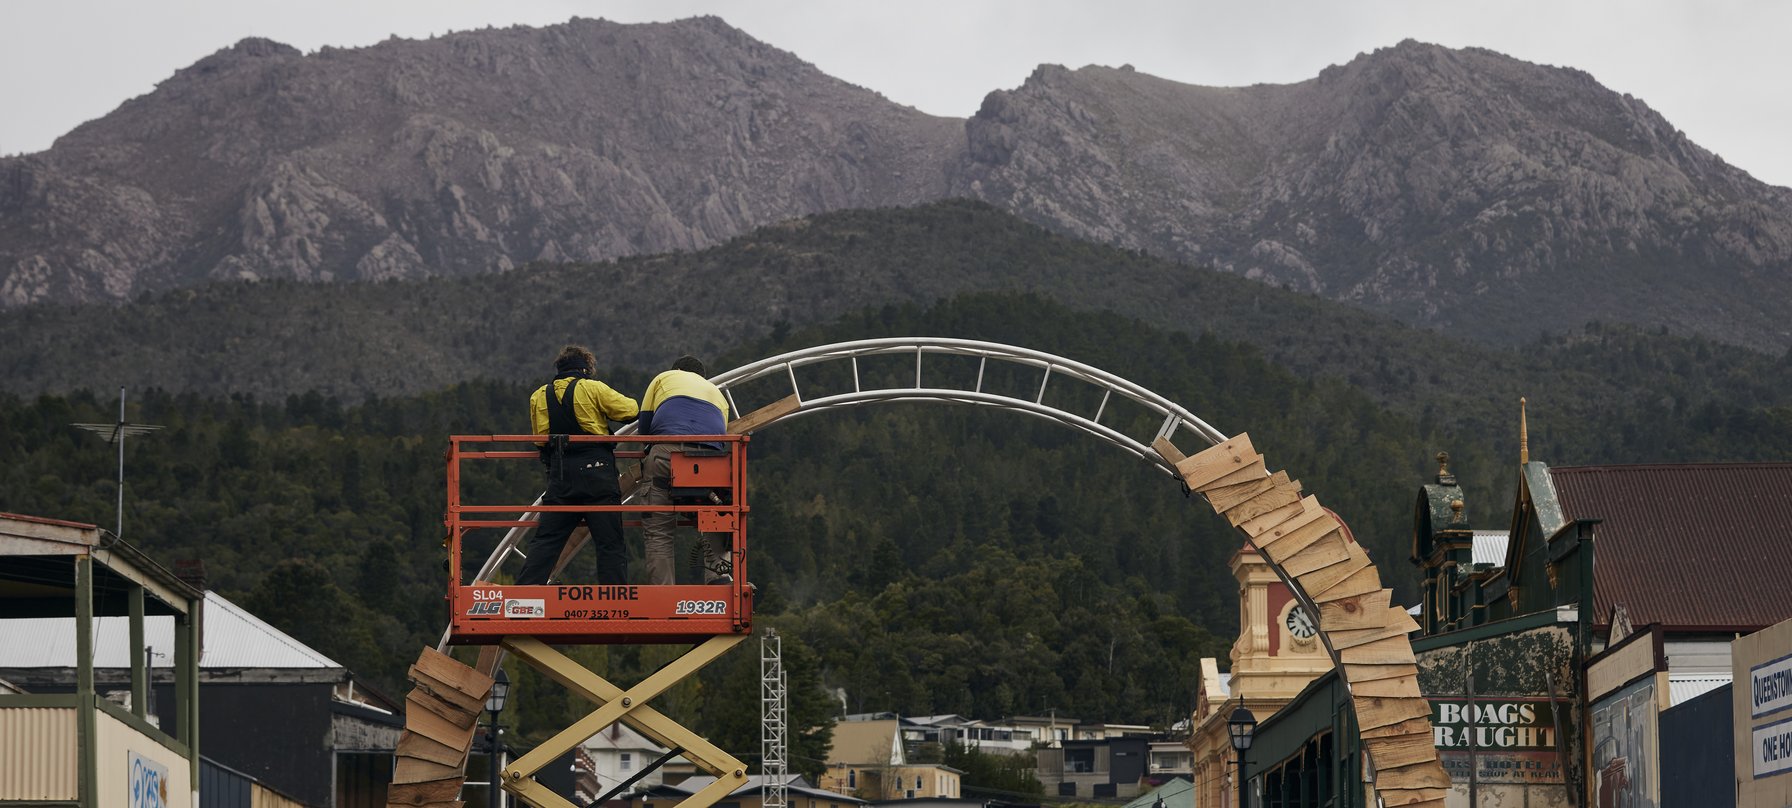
[(483, 612)]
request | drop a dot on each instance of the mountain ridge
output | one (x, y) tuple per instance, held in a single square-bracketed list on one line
[(1440, 186)]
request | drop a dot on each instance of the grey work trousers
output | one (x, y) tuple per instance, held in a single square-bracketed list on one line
[(660, 543)]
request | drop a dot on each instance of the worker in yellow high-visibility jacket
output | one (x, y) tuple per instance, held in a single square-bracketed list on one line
[(576, 403), (679, 401)]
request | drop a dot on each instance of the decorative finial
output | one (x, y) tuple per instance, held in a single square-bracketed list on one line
[(1524, 435), (1444, 477)]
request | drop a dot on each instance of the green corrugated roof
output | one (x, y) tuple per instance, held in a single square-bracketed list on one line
[(1178, 793)]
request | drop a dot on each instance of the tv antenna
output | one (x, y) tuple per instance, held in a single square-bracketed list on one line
[(116, 433)]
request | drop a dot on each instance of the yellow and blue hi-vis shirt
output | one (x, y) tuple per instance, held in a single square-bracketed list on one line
[(679, 402)]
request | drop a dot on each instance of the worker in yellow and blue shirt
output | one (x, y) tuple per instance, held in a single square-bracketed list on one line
[(679, 401), (576, 403)]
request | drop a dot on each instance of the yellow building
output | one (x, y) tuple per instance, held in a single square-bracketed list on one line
[(907, 782), (1276, 655), (869, 760)]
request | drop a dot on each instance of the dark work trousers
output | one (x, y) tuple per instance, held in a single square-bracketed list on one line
[(585, 479)]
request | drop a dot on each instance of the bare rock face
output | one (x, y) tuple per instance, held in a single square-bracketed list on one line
[(473, 152), (1455, 188), (1458, 189)]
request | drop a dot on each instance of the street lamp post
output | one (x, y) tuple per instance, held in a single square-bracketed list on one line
[(494, 704), (1242, 725)]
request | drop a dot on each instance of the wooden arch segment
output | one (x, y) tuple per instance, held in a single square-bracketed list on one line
[(1366, 635)]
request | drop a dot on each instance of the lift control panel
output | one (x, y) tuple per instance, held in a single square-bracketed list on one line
[(709, 494)]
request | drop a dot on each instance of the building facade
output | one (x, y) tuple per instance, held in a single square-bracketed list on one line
[(276, 711), (70, 744), (1277, 654), (1554, 651)]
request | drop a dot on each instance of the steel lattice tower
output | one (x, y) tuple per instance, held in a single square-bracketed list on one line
[(772, 733)]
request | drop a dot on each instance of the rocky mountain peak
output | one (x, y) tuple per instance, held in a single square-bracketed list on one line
[(1438, 184), (1455, 188)]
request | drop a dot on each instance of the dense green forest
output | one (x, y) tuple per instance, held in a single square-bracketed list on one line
[(919, 559), (386, 339)]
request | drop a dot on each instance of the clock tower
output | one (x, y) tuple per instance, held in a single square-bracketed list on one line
[(1277, 653)]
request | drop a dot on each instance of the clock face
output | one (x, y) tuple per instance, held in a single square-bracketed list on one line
[(1300, 624)]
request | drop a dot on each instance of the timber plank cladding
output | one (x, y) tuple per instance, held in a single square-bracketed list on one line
[(1365, 635), (441, 714)]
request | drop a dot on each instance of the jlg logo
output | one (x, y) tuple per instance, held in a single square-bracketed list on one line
[(486, 608)]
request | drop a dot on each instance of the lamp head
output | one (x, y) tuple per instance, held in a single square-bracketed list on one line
[(1242, 725), (494, 703)]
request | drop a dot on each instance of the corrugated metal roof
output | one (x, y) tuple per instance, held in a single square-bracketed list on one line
[(794, 782), (1490, 547), (1687, 545), (45, 520), (1178, 793), (233, 638), (1690, 686)]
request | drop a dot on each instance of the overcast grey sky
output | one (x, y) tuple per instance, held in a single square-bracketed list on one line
[(1718, 69)]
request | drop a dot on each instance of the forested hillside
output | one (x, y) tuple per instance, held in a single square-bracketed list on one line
[(1009, 564)]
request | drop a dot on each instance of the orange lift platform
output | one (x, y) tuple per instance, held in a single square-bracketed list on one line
[(709, 490)]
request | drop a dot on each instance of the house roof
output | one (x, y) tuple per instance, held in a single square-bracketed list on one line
[(1685, 687), (45, 520), (755, 782), (932, 720), (1687, 545), (1178, 793), (232, 638), (1489, 547), (867, 742)]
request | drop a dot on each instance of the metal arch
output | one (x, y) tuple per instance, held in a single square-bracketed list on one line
[(1176, 418)]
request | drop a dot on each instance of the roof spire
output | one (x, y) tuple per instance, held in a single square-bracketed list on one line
[(1524, 435)]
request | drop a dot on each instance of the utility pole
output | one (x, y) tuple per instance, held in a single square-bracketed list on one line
[(116, 433), (773, 736)]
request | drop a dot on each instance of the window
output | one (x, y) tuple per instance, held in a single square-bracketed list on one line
[(852, 778), (1081, 761), (917, 781), (628, 761), (909, 794)]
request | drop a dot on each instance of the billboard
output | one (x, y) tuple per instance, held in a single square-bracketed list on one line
[(1761, 708), (1624, 753), (1500, 739)]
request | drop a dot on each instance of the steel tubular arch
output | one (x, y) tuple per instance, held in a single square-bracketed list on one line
[(1176, 418), (1051, 366)]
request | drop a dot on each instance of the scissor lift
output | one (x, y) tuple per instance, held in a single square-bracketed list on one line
[(710, 492)]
